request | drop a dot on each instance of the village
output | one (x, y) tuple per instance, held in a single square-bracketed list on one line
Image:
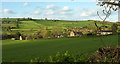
[(38, 32), (70, 33), (63, 31)]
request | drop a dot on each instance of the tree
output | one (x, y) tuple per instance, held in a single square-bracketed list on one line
[(49, 34), (4, 35), (107, 11), (57, 30), (43, 33), (114, 28), (18, 34), (108, 7), (116, 3), (31, 30), (17, 23)]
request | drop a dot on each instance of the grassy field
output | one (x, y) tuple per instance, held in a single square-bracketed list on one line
[(26, 26), (23, 51)]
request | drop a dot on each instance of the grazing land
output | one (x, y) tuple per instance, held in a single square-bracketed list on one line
[(25, 50), (31, 26), (25, 39)]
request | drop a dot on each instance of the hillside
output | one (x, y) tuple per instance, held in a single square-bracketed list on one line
[(26, 25)]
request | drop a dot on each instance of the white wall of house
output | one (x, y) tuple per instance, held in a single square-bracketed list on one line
[(20, 37), (72, 34), (105, 33)]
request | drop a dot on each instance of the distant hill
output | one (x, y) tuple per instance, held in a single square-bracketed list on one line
[(27, 24)]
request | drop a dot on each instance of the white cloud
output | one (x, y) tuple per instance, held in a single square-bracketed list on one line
[(0, 11), (66, 12), (66, 8), (89, 12), (36, 12), (63, 13), (84, 14), (92, 13), (50, 12), (37, 7), (25, 4), (50, 6), (7, 11)]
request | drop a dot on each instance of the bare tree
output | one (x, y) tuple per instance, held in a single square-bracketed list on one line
[(108, 7)]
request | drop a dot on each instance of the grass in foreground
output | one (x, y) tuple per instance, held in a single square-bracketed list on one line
[(24, 51)]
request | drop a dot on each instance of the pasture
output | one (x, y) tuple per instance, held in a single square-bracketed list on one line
[(25, 50), (25, 27)]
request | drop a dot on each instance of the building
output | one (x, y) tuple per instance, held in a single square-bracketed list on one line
[(73, 33), (105, 32), (12, 38), (23, 38)]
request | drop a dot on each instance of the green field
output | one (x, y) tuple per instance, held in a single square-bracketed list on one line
[(26, 26), (23, 51)]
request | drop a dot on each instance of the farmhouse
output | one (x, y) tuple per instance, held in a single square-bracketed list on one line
[(105, 32), (58, 36), (23, 38), (12, 38), (73, 33)]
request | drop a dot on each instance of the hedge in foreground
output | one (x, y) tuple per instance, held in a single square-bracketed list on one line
[(65, 57), (106, 54)]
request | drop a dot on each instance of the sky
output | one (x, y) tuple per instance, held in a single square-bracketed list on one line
[(48, 0), (54, 10)]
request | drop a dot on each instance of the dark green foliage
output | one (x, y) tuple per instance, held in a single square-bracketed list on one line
[(63, 57), (89, 34), (17, 23), (49, 34), (114, 28), (4, 36), (15, 35), (7, 36), (66, 57), (18, 34)]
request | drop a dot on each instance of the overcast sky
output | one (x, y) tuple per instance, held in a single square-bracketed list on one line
[(54, 10)]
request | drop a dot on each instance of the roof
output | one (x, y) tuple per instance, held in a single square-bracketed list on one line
[(105, 31), (77, 32)]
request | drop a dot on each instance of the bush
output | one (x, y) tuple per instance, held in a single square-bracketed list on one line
[(65, 57), (107, 54), (7, 36), (4, 35), (89, 34)]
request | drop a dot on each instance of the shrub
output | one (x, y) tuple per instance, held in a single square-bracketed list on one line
[(106, 54), (8, 36), (4, 35), (65, 57)]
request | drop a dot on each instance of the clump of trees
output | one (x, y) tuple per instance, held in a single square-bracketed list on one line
[(56, 30), (12, 35)]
